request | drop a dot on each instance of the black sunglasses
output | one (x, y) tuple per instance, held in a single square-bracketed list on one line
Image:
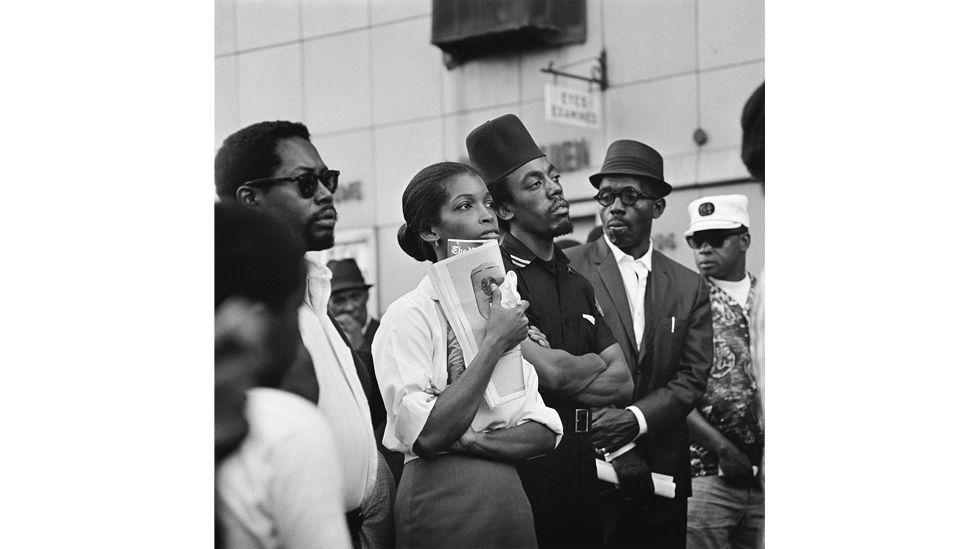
[(308, 182), (715, 238), (628, 196)]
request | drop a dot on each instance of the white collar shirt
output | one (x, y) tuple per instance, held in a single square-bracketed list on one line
[(341, 396), (634, 274)]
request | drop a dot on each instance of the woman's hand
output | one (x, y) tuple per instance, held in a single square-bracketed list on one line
[(506, 326), (536, 335)]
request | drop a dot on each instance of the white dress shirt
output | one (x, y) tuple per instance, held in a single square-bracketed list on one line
[(279, 488), (634, 273), (341, 396), (410, 356)]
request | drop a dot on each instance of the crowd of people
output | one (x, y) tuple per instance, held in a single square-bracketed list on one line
[(641, 419)]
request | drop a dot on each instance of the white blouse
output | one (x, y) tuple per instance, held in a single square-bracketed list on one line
[(410, 358)]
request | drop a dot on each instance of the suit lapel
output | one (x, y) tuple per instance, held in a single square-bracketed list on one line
[(654, 300), (606, 267)]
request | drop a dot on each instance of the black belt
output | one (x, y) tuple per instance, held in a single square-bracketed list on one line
[(575, 420), (354, 519)]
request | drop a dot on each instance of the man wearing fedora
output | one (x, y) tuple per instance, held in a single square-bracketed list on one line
[(347, 304), (659, 312), (591, 372), (727, 505)]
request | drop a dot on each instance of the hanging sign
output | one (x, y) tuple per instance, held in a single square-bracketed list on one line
[(571, 106)]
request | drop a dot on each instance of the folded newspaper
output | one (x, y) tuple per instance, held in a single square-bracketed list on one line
[(463, 283), (664, 485)]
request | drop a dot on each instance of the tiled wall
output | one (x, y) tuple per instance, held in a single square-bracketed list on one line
[(380, 104)]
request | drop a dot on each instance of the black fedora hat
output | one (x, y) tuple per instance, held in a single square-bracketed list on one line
[(628, 157), (346, 275), (500, 146)]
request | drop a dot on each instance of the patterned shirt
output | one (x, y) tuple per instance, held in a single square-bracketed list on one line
[(730, 402)]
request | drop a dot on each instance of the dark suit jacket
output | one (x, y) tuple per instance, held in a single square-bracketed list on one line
[(670, 369)]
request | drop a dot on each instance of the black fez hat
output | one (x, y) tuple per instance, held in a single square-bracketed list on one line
[(628, 157), (500, 146), (346, 275)]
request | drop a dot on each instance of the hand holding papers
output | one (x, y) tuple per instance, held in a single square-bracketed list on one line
[(463, 283)]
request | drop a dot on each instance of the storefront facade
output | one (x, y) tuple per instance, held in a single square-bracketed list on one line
[(381, 104)]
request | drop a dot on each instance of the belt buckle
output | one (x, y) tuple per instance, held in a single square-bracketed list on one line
[(582, 420)]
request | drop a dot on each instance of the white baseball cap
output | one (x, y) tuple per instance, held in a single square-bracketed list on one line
[(726, 211)]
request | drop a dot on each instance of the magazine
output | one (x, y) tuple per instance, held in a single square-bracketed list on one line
[(463, 284)]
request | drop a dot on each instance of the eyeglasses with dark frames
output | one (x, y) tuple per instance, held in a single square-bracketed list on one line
[(308, 182), (628, 196), (715, 237)]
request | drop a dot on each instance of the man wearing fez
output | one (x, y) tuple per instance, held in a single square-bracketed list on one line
[(584, 367), (659, 312), (273, 167)]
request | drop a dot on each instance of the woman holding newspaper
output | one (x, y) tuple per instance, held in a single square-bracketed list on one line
[(459, 486)]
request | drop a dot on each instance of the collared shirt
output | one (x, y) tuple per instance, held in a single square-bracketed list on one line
[(412, 356), (634, 274), (341, 396), (561, 303), (280, 487), (730, 402)]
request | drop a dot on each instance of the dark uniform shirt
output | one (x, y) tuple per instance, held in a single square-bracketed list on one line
[(561, 486)]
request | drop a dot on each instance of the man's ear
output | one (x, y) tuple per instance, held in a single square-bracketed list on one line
[(248, 197), (658, 208), (746, 239), (504, 211)]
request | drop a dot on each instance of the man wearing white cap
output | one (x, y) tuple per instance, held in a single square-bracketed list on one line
[(727, 506)]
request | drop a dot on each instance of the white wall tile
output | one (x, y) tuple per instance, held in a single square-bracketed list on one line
[(407, 72), (266, 22), (481, 83), (352, 154), (384, 11), (721, 165), (661, 114), (723, 95), (337, 90), (270, 85), (649, 39), (680, 169), (226, 116), (730, 31), (398, 272), (327, 16), (225, 27), (402, 151)]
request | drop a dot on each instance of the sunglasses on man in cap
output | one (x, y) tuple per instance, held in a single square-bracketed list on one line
[(715, 237), (308, 182)]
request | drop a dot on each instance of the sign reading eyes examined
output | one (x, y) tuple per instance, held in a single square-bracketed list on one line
[(571, 106)]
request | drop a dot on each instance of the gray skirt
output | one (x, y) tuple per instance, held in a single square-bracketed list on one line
[(456, 501)]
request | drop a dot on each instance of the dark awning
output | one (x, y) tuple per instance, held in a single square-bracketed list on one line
[(466, 29)]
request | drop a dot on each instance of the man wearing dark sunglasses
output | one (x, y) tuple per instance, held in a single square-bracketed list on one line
[(726, 430), (659, 312), (274, 168)]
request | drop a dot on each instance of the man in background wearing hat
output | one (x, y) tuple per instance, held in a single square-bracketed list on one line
[(347, 304), (727, 506), (658, 310), (528, 200)]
